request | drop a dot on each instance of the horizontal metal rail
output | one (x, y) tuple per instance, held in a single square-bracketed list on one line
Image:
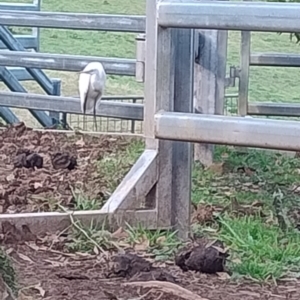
[(254, 16), (79, 21), (121, 110), (63, 62), (274, 109), (239, 131), (117, 97), (275, 59), (19, 6)]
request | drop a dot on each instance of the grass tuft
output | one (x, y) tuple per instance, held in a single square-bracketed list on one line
[(260, 251), (113, 167)]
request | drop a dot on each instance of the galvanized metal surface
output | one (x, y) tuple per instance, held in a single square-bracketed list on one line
[(19, 6), (14, 85), (244, 72), (120, 110), (55, 115), (182, 152), (8, 116), (63, 62), (13, 44), (275, 59), (238, 131), (27, 41), (80, 21), (274, 109), (164, 100), (135, 186), (53, 222), (150, 74), (254, 16)]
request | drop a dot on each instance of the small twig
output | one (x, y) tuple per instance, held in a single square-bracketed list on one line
[(59, 234), (83, 232), (167, 287)]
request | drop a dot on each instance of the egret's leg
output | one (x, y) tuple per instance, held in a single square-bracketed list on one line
[(84, 112), (95, 121)]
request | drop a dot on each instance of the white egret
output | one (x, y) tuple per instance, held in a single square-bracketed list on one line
[(92, 81)]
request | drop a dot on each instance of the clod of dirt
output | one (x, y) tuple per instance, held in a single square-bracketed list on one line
[(63, 161), (28, 159), (136, 268), (205, 257), (13, 235), (203, 214), (128, 264)]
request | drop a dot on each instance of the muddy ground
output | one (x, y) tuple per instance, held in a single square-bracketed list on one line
[(36, 188), (46, 274)]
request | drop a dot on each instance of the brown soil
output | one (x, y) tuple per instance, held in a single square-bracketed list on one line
[(39, 169), (46, 274)]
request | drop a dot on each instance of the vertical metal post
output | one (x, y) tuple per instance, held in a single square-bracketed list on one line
[(133, 121), (159, 95), (150, 74), (244, 73), (56, 92), (140, 58), (222, 44), (182, 152), (36, 30)]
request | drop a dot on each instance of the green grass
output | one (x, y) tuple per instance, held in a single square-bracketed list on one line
[(260, 251), (113, 167), (7, 272), (245, 191), (161, 245)]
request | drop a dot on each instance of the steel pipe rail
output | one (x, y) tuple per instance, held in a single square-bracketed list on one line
[(117, 97), (275, 59), (274, 109), (121, 110), (254, 16), (79, 21), (63, 62), (19, 6), (239, 131)]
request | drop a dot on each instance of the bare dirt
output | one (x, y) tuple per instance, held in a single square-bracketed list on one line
[(39, 170), (48, 274)]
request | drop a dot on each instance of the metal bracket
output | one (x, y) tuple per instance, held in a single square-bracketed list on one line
[(233, 74)]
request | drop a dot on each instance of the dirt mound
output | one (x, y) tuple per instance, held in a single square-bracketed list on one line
[(202, 256), (136, 268)]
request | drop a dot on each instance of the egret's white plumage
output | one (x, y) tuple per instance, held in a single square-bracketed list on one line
[(92, 81)]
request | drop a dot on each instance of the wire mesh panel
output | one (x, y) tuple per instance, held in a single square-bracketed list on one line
[(231, 104), (105, 124)]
